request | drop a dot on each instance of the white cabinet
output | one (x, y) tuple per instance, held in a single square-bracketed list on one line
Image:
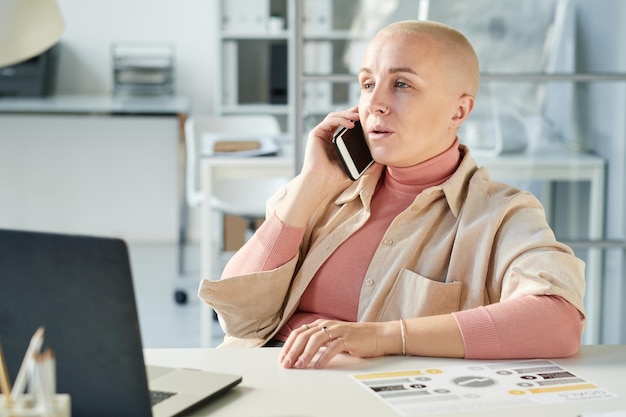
[(92, 165)]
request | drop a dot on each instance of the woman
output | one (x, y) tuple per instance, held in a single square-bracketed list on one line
[(423, 255)]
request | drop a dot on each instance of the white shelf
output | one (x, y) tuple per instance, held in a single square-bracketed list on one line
[(261, 108), (255, 36), (334, 35)]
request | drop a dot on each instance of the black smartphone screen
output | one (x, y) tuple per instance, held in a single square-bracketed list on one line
[(353, 151)]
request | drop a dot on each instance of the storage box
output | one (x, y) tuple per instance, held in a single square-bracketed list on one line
[(236, 231)]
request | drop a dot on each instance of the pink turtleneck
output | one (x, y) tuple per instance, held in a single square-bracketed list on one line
[(335, 290)]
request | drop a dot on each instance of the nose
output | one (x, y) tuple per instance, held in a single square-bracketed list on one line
[(377, 101)]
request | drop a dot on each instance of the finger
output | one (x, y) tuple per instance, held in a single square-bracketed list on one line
[(316, 341), (332, 349), (345, 118), (299, 340), (294, 345), (289, 342)]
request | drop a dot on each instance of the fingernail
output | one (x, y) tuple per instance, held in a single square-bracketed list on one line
[(299, 363)]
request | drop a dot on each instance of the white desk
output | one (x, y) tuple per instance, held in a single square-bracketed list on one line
[(548, 164), (269, 390)]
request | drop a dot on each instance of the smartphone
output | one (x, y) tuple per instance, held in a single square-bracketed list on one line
[(353, 152)]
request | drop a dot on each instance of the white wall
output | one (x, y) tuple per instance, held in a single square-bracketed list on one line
[(85, 65)]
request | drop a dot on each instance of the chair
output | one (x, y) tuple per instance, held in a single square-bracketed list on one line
[(195, 127), (241, 198)]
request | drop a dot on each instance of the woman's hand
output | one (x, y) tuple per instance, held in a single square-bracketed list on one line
[(323, 339), (320, 159), (322, 176)]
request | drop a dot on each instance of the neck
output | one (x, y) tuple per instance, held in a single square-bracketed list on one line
[(433, 171)]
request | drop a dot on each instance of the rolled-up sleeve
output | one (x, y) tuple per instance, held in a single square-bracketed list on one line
[(249, 306)]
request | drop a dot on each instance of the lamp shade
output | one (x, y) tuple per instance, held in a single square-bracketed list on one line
[(27, 28)]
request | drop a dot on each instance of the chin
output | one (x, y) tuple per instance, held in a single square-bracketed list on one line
[(386, 160)]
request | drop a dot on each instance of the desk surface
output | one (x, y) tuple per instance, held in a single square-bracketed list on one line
[(270, 391)]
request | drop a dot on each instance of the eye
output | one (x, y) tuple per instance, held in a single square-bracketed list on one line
[(367, 85), (401, 84)]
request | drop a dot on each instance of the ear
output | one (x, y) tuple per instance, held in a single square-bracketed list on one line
[(464, 107)]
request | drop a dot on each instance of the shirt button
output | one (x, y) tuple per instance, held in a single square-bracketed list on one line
[(208, 291), (369, 282), (387, 242), (415, 208)]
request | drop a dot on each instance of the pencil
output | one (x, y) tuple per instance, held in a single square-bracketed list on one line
[(50, 366), (5, 384), (33, 347), (41, 387)]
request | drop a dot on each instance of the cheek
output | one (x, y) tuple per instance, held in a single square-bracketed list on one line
[(362, 110), (427, 116), (363, 105)]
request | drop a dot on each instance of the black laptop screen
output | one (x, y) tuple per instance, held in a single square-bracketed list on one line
[(80, 289)]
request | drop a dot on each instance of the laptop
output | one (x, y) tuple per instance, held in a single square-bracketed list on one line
[(80, 289)]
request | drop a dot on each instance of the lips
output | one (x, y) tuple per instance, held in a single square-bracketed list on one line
[(379, 129), (379, 132)]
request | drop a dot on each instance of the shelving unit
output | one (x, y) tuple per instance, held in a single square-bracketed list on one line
[(300, 38), (253, 42)]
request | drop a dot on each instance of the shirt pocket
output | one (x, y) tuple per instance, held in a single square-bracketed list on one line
[(414, 295)]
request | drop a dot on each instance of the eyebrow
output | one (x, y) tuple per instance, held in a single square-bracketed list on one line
[(392, 70)]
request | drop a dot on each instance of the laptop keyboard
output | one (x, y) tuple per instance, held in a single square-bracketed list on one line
[(158, 396)]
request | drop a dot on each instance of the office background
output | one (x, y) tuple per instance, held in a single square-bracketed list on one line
[(44, 172)]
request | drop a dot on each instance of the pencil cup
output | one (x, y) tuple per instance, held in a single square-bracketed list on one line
[(25, 406)]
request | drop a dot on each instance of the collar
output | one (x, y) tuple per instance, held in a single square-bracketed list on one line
[(455, 189)]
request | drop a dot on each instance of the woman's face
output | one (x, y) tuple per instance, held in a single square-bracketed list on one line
[(408, 107)]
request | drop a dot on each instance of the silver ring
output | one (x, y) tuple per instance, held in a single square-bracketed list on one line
[(330, 336), (306, 326)]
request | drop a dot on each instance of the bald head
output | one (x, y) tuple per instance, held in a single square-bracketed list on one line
[(457, 54)]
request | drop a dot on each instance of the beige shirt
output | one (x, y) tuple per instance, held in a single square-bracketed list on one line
[(466, 243)]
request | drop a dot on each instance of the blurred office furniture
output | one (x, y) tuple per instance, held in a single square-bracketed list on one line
[(29, 32), (252, 73), (235, 141), (101, 165), (34, 77), (530, 37), (28, 28), (143, 68)]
